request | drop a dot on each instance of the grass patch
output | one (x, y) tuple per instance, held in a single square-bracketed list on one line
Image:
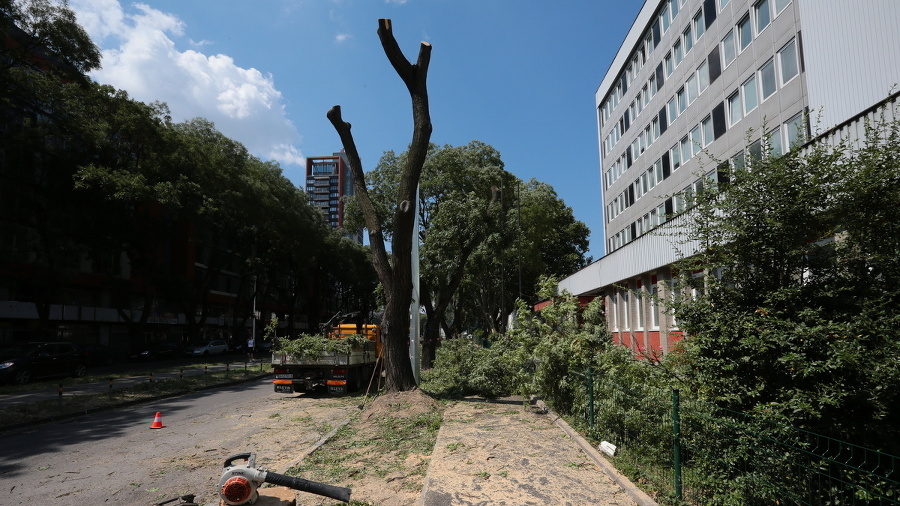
[(75, 404), (391, 447)]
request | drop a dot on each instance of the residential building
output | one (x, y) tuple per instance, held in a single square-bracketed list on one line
[(328, 181), (699, 83)]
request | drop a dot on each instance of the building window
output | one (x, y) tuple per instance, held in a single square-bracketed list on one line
[(738, 161), (748, 89), (688, 39), (678, 202), (696, 141), (682, 100), (773, 143), (675, 154), (654, 300), (734, 108), (664, 19), (686, 152), (679, 53), (626, 320), (763, 15), (673, 111), (745, 32), (703, 77), (729, 52), (699, 25), (669, 64), (790, 66), (613, 306), (754, 151), (767, 79), (794, 127), (692, 88), (707, 127), (780, 5), (639, 308)]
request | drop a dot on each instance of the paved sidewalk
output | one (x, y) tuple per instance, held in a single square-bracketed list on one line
[(506, 453)]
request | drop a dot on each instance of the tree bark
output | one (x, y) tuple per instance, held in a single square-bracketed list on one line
[(396, 276)]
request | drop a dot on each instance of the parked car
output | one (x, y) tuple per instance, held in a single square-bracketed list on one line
[(95, 354), (22, 363), (157, 351), (207, 348)]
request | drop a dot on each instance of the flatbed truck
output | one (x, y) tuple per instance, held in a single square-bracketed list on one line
[(336, 373)]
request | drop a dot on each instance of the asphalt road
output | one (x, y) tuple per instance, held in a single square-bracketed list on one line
[(114, 457), (49, 389)]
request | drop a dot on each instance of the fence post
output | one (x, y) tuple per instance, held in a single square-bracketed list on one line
[(676, 443), (590, 378)]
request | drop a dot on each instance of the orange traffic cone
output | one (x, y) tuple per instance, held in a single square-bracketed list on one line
[(157, 422)]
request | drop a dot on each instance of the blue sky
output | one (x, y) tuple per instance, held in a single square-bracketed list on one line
[(519, 75)]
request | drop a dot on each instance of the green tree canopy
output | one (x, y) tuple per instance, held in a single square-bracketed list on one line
[(482, 231)]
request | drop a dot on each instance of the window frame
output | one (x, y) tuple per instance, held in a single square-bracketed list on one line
[(731, 101), (774, 142), (687, 38), (702, 82), (796, 61), (759, 27), (795, 123), (699, 25), (706, 129), (730, 36), (744, 94), (776, 11), (770, 63), (746, 18)]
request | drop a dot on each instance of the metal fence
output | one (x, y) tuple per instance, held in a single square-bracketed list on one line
[(692, 452)]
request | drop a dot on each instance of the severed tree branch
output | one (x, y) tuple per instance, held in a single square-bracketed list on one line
[(376, 232)]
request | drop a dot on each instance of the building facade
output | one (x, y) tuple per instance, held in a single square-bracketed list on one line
[(328, 181), (701, 83)]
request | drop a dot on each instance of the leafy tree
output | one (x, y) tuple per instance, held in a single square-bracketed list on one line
[(457, 208), (45, 27), (538, 236), (42, 92), (797, 315), (395, 273), (484, 235)]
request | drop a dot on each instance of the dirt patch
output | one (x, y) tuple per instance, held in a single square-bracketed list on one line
[(404, 404), (510, 452)]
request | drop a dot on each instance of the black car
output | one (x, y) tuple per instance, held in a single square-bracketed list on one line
[(21, 363), (157, 351)]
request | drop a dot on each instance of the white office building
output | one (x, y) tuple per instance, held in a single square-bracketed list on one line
[(697, 83)]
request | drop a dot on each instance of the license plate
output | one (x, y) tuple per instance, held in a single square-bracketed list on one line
[(284, 376), (284, 389)]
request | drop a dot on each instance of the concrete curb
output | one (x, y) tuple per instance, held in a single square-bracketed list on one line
[(636, 494)]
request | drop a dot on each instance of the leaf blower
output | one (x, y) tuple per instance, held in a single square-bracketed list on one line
[(239, 482)]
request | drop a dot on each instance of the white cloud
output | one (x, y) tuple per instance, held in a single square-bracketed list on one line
[(140, 56), (342, 37)]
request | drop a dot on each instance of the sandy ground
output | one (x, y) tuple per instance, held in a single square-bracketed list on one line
[(507, 453)]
